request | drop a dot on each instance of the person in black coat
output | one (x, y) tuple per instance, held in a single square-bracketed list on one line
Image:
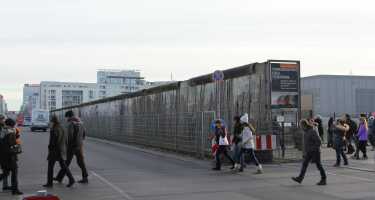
[(8, 158), (330, 132), (312, 152), (5, 179), (57, 151)]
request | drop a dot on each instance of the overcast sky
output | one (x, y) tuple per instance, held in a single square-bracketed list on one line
[(69, 40)]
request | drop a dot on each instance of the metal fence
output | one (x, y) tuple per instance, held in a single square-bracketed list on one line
[(182, 132)]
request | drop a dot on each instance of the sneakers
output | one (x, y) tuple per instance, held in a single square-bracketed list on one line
[(57, 180), (297, 179), (259, 170), (216, 169)]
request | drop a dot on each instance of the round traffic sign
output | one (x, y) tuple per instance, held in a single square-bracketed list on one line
[(218, 75)]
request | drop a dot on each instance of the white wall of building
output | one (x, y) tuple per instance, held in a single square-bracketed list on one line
[(51, 95), (116, 82), (54, 95)]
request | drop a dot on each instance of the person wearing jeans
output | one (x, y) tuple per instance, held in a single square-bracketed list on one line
[(247, 143), (236, 142), (363, 136), (222, 140), (340, 128), (312, 152)]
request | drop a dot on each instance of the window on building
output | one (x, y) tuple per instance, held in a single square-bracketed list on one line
[(91, 94), (71, 97)]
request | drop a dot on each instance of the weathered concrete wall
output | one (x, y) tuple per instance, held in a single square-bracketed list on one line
[(177, 116)]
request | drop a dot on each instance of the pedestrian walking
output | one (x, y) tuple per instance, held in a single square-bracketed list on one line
[(340, 130), (10, 150), (371, 132), (221, 138), (2, 156), (363, 136), (236, 142), (319, 123), (330, 133), (57, 151), (312, 153), (247, 144), (351, 133), (76, 135)]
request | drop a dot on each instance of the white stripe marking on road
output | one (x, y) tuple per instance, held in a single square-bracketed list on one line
[(353, 177), (117, 189)]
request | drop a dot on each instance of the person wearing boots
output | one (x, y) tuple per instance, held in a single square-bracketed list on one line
[(312, 152), (57, 152)]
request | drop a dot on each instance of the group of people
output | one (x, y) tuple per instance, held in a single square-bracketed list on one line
[(65, 143), (242, 143), (9, 150), (345, 131), (341, 135)]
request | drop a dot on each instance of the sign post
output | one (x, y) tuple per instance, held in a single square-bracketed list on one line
[(218, 77)]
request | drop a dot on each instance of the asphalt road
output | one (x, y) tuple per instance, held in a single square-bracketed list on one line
[(121, 172)]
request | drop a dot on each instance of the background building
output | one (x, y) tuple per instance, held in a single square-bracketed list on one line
[(31, 101), (3, 105), (340, 94), (115, 82), (51, 95), (62, 94)]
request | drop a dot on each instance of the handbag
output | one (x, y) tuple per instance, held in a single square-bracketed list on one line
[(16, 149)]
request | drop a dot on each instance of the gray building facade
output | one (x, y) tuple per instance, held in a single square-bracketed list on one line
[(340, 94)]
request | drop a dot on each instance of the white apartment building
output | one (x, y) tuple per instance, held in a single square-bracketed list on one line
[(3, 105), (116, 82), (51, 95), (55, 95)]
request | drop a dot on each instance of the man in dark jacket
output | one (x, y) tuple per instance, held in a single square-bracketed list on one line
[(312, 143), (5, 179), (57, 152), (76, 134)]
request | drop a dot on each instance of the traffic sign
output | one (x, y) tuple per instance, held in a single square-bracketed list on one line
[(218, 75)]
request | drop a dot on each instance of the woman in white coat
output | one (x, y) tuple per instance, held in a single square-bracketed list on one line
[(248, 144)]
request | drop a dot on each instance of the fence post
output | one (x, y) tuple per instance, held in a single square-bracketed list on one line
[(202, 137)]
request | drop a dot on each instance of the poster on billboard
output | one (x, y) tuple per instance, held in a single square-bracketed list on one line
[(285, 85)]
